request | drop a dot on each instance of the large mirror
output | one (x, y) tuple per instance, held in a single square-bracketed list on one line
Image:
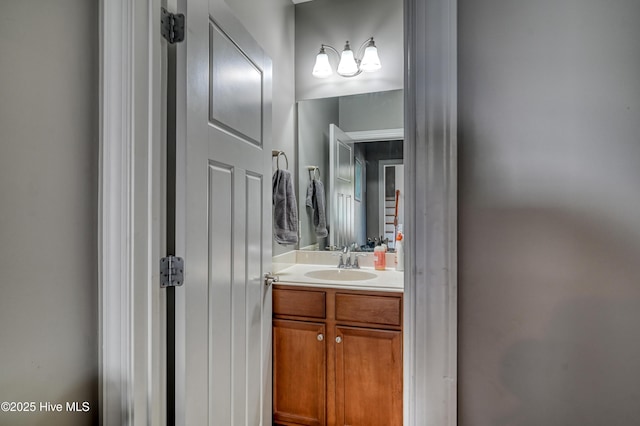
[(350, 166)]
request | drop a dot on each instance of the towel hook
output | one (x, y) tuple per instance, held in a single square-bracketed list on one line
[(314, 169), (276, 153)]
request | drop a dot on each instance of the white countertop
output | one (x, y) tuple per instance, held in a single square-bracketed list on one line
[(388, 280)]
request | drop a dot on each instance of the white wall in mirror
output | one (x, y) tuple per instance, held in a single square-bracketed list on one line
[(333, 22)]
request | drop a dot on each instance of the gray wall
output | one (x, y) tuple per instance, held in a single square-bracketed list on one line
[(48, 207), (372, 111), (333, 22), (271, 22), (549, 228)]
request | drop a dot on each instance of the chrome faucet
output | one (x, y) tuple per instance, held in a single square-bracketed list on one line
[(345, 258), (346, 252)]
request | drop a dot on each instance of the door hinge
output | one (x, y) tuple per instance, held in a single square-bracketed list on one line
[(171, 271), (172, 26)]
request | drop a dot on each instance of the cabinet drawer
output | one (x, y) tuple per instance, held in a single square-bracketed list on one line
[(369, 309), (299, 303)]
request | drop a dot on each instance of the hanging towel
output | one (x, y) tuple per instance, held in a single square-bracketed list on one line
[(309, 199), (285, 212), (315, 200)]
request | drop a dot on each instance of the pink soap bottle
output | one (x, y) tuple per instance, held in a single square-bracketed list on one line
[(379, 258)]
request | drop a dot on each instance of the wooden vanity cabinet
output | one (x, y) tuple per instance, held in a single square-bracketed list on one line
[(337, 357), (368, 377), (299, 372)]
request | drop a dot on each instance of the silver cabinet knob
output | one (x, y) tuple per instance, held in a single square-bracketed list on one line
[(338, 339), (320, 337)]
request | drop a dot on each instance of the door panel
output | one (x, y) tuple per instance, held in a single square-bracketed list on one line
[(368, 377), (219, 286), (299, 359), (223, 221), (253, 302), (236, 88)]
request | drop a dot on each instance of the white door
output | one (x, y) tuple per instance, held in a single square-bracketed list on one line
[(341, 188), (223, 221)]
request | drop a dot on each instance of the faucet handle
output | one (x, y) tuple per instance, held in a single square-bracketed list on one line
[(356, 265)]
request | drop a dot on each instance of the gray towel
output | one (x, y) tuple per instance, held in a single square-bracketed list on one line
[(285, 212), (315, 200)]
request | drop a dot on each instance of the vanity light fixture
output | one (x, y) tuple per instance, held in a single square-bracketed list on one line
[(350, 65)]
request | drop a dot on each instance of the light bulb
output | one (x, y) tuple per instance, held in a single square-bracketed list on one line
[(322, 68), (370, 60), (347, 65)]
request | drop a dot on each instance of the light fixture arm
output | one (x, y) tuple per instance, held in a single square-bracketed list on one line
[(333, 49)]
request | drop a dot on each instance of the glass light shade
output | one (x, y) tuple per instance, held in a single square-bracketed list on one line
[(347, 65), (370, 60), (322, 68)]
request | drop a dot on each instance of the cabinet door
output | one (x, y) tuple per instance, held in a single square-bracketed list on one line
[(299, 373), (368, 377)]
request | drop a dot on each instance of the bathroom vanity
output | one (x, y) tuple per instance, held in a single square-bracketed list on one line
[(337, 347)]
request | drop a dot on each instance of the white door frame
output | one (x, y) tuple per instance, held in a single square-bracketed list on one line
[(131, 214), (431, 290)]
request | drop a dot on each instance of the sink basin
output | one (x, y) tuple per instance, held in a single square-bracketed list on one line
[(340, 275)]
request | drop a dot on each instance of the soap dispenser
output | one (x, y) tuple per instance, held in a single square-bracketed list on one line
[(379, 258)]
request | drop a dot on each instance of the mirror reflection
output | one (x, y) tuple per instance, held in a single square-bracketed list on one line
[(350, 167)]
